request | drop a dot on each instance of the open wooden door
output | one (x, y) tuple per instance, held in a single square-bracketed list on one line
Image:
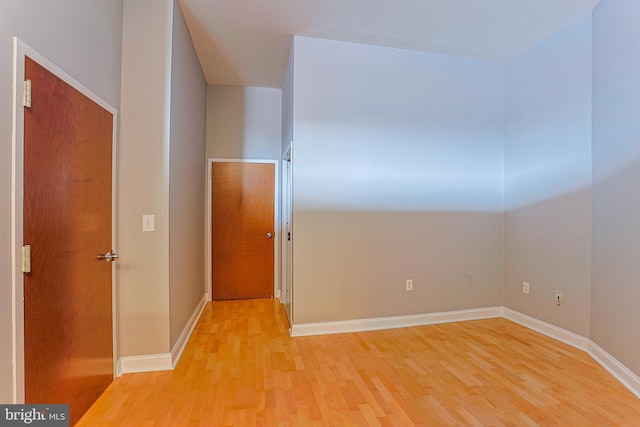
[(242, 221), (68, 334)]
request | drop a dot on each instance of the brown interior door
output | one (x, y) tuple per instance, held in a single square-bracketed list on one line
[(242, 225), (67, 223)]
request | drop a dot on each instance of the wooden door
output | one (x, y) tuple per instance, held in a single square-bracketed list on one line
[(67, 222), (242, 224)]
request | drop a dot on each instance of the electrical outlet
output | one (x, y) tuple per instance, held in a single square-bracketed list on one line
[(525, 288), (408, 285), (559, 298)]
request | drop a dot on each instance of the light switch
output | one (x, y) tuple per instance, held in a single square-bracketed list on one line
[(148, 222)]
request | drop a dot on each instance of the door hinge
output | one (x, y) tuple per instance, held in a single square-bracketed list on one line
[(26, 100), (26, 259)]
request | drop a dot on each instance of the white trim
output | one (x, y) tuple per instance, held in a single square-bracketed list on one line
[(276, 218), (360, 325), (20, 51), (286, 214), (547, 329), (147, 363), (183, 339), (17, 205), (207, 249), (615, 368), (623, 374)]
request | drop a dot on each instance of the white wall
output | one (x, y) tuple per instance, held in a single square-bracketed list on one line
[(243, 122), (616, 175), (547, 92), (398, 174), (187, 172), (84, 39)]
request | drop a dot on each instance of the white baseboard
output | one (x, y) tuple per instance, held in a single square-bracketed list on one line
[(183, 339), (610, 363), (547, 329), (163, 361), (615, 368), (167, 361), (626, 377), (146, 363), (360, 325)]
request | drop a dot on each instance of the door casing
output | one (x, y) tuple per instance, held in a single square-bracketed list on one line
[(276, 222), (20, 51), (287, 227)]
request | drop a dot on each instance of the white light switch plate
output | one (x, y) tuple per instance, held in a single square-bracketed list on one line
[(148, 222)]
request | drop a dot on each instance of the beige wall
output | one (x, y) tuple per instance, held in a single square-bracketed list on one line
[(398, 174), (161, 172), (143, 178), (82, 38), (548, 179), (353, 265), (548, 244), (616, 174), (187, 172)]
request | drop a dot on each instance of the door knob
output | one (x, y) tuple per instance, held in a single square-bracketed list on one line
[(109, 256), (269, 235)]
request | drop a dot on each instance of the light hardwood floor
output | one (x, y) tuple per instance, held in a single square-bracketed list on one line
[(241, 368)]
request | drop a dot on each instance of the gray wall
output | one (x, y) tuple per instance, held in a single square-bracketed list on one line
[(547, 92), (84, 39), (243, 122), (287, 102), (398, 174), (187, 173), (616, 178)]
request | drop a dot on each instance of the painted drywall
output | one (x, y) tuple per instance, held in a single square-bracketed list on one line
[(353, 265), (82, 38), (616, 178), (547, 92), (287, 103), (187, 172), (389, 129), (243, 122), (398, 174), (143, 181)]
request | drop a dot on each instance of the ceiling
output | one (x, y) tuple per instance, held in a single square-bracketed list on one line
[(247, 42)]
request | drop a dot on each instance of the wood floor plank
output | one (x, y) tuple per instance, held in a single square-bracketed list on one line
[(241, 368)]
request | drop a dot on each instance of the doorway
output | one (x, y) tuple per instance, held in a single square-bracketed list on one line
[(243, 234), (63, 212)]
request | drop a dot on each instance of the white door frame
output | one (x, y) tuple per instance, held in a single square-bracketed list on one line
[(287, 243), (276, 221), (20, 51)]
